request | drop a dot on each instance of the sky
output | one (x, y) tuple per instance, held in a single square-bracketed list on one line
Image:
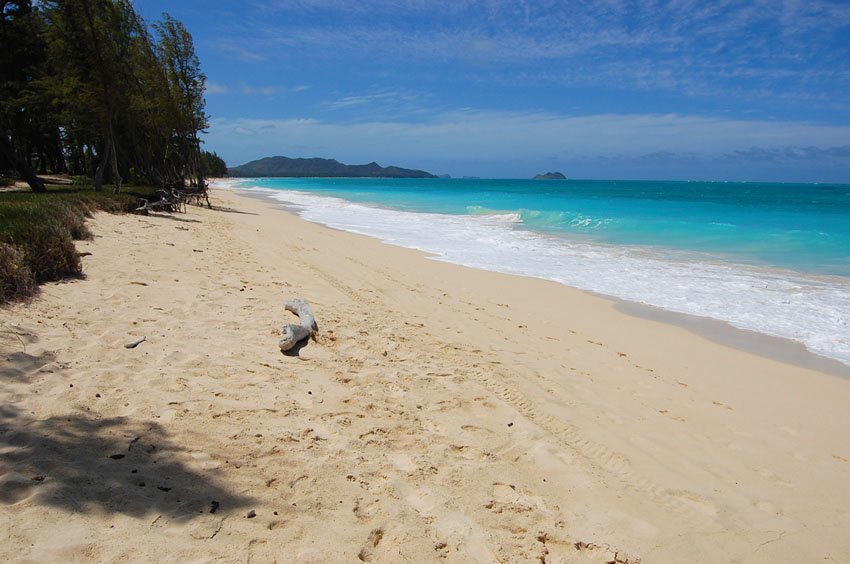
[(679, 89)]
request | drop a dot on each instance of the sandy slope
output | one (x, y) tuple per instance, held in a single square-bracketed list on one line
[(444, 413)]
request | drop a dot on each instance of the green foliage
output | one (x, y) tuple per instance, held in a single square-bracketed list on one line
[(212, 165), (37, 233), (87, 89), (81, 180)]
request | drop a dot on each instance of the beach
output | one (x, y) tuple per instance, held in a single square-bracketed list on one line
[(442, 413)]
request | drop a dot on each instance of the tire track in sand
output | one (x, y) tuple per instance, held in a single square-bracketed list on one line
[(600, 456)]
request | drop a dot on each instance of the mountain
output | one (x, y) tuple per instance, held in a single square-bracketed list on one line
[(284, 166), (550, 176)]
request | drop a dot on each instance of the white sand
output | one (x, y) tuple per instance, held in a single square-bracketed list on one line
[(443, 413)]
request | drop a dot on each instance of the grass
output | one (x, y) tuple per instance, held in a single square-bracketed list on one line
[(37, 233)]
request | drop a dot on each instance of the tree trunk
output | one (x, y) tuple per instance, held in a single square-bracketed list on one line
[(88, 158), (20, 165), (202, 183), (101, 166), (116, 176), (60, 165)]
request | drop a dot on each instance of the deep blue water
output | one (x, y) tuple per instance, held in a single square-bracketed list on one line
[(773, 258)]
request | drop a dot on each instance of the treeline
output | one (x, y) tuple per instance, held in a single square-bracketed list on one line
[(89, 89)]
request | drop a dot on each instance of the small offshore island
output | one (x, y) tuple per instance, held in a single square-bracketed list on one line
[(550, 176)]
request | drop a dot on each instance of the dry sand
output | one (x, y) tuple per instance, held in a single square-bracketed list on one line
[(443, 413)]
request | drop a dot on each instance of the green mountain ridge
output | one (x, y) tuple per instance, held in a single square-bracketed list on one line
[(318, 167)]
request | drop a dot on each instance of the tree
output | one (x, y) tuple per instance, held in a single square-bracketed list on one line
[(187, 84), (92, 39), (212, 165), (85, 84), (22, 55)]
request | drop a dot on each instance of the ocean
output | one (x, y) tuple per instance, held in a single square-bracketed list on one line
[(771, 258)]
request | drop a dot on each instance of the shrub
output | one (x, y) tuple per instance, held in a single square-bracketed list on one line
[(50, 252), (37, 233), (16, 279), (73, 218)]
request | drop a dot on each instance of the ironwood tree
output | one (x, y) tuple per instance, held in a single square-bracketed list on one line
[(88, 89)]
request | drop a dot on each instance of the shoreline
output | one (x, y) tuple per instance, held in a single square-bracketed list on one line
[(443, 414), (769, 346)]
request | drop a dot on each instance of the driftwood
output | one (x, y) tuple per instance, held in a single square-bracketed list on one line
[(176, 199), (294, 334), (169, 201), (135, 344)]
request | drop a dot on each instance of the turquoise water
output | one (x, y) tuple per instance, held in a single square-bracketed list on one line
[(773, 258), (799, 226)]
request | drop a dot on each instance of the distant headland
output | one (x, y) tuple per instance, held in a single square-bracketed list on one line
[(550, 176), (316, 167)]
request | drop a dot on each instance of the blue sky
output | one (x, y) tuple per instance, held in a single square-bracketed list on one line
[(683, 89)]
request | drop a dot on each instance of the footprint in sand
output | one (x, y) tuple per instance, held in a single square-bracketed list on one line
[(403, 462), (203, 461), (694, 501), (767, 507), (773, 477), (15, 488)]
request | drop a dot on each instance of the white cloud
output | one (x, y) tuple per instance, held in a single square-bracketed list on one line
[(478, 136), (269, 90), (384, 102), (235, 50), (728, 46), (216, 88), (260, 90)]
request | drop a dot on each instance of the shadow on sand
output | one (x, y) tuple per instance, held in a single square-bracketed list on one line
[(296, 350), (111, 465), (231, 210), (171, 216), (19, 366)]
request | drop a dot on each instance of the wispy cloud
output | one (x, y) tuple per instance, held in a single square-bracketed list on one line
[(216, 88), (382, 104), (837, 154), (235, 50), (491, 137), (791, 47), (260, 90), (251, 90)]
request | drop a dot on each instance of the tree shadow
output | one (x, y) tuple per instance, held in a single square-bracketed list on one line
[(17, 363), (113, 465), (231, 210), (19, 366), (172, 217)]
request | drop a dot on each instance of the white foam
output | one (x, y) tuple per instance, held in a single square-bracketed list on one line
[(227, 183), (812, 310)]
